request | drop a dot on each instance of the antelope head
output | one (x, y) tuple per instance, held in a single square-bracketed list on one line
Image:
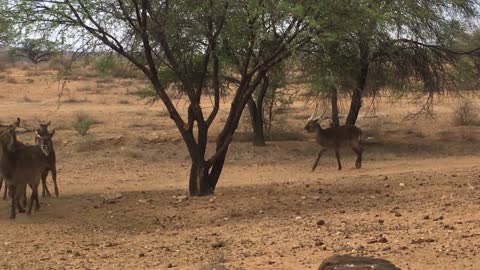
[(312, 121), (44, 140)]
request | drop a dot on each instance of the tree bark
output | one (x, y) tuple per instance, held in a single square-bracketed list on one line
[(257, 114), (256, 120), (334, 100), (356, 102)]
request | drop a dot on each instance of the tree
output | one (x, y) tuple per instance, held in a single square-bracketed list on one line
[(36, 50), (187, 39), (397, 44)]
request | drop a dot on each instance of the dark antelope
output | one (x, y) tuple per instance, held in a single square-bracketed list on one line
[(21, 165), (43, 138), (336, 138)]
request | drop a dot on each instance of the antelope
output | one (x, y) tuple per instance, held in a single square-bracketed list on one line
[(44, 139), (336, 138), (21, 165)]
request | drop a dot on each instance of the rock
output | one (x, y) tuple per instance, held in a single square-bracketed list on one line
[(381, 239), (346, 262), (422, 240), (218, 244), (319, 243), (211, 200), (402, 184), (111, 197), (215, 266), (320, 222), (140, 255), (298, 218)]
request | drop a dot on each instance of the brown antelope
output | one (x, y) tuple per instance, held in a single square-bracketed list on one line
[(336, 138), (44, 138), (20, 165)]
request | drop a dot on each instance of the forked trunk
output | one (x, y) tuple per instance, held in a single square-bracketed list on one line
[(204, 178)]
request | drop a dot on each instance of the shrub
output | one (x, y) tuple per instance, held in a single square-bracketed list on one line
[(465, 114), (83, 122), (109, 65)]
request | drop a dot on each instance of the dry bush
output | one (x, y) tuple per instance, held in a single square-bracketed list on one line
[(82, 123), (11, 80), (72, 100), (124, 102), (465, 114)]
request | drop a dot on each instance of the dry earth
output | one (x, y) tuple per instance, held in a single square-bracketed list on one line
[(415, 202)]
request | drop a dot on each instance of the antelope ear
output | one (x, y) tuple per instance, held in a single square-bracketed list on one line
[(48, 124), (52, 133), (16, 124), (36, 133)]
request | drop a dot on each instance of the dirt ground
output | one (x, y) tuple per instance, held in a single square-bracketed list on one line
[(415, 202)]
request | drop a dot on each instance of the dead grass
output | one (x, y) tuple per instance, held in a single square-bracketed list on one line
[(465, 113), (73, 100), (124, 102), (87, 144), (12, 80)]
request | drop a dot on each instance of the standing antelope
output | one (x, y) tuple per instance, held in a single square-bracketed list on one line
[(336, 138), (44, 139), (21, 165)]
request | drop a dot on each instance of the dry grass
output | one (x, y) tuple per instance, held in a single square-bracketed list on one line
[(12, 80), (465, 114)]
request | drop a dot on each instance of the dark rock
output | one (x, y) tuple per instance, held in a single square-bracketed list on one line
[(346, 262)]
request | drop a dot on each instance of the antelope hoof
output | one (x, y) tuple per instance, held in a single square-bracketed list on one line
[(12, 216), (21, 210), (29, 212), (339, 168)]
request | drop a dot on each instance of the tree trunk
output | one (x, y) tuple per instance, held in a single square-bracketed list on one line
[(356, 103), (256, 120), (257, 114), (203, 177), (334, 99)]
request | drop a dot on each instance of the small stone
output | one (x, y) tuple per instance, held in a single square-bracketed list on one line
[(386, 185), (381, 221), (320, 222), (218, 244), (402, 184), (319, 243), (169, 265), (298, 218), (397, 214), (426, 217), (140, 255), (211, 200)]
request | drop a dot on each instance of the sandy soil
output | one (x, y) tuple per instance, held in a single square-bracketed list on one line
[(415, 202)]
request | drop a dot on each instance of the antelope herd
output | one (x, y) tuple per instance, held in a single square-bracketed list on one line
[(23, 165)]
